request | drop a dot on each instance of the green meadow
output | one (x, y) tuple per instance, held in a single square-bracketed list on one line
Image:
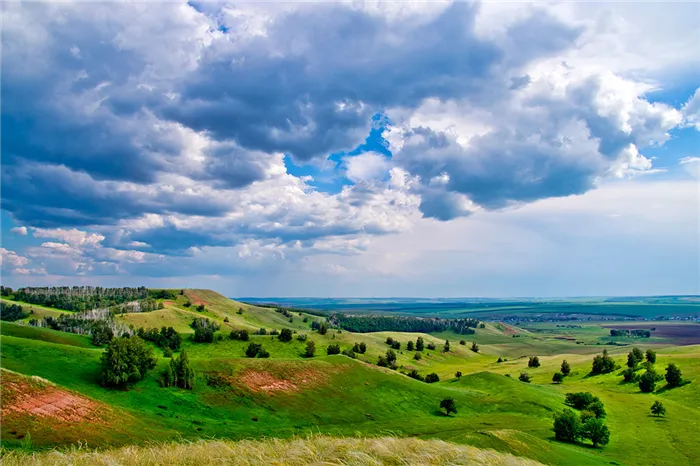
[(288, 396)]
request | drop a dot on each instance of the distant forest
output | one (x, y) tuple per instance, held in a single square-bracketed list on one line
[(86, 298), (366, 324)]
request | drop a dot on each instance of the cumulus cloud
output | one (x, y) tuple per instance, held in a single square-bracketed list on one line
[(137, 134), (20, 231)]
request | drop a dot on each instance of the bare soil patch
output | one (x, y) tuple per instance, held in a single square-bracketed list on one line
[(26, 396), (263, 381), (195, 298)]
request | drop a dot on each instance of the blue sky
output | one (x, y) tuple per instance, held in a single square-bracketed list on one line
[(351, 149)]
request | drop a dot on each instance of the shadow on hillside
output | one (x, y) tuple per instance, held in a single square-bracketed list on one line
[(666, 387)]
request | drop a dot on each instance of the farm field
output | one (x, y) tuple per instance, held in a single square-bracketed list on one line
[(51, 396)]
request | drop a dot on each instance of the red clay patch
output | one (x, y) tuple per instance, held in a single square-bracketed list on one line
[(23, 395), (261, 381), (195, 298)]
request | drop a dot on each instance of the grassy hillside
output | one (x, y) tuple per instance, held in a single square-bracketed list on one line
[(299, 451), (287, 395)]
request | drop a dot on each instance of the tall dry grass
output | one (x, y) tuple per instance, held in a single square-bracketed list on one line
[(315, 450)]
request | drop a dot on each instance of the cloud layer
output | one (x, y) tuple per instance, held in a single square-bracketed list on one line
[(140, 135)]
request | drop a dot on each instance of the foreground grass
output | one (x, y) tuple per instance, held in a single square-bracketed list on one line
[(307, 451)]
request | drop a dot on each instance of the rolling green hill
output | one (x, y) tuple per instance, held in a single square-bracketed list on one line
[(288, 396)]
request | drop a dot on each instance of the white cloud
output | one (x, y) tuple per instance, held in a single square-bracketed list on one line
[(691, 111), (691, 165), (368, 166), (20, 231)]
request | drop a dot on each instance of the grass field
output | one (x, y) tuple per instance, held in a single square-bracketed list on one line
[(288, 396)]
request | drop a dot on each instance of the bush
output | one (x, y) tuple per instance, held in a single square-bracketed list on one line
[(432, 378), (102, 333), (11, 312), (558, 377), (597, 408), (389, 341), (126, 360), (458, 374), (500, 359), (580, 400), (410, 346), (674, 378), (420, 345), (595, 431), (391, 358), (263, 353), (475, 347), (629, 375), (179, 373), (302, 337), (310, 350), (200, 308), (651, 356), (333, 349), (323, 329), (285, 335), (417, 356), (567, 426), (565, 368), (431, 346), (204, 330), (603, 364), (534, 361), (253, 350), (657, 409), (462, 342), (241, 335), (396, 345), (415, 375), (187, 304), (167, 353), (524, 377), (446, 348), (634, 357), (449, 405), (647, 382)]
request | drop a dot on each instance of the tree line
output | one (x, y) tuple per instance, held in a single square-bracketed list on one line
[(630, 333), (370, 323), (79, 298)]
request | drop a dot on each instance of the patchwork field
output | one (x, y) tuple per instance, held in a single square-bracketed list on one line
[(52, 398)]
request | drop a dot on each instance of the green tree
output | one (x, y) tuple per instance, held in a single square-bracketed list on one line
[(629, 375), (674, 378), (651, 356), (415, 375), (179, 372), (389, 341), (446, 348), (417, 356), (565, 368), (253, 350), (524, 377), (597, 408), (500, 359), (475, 347), (449, 405), (333, 349), (126, 360), (102, 333), (458, 374), (567, 426), (462, 342), (657, 409), (409, 346), (534, 361), (431, 346), (310, 350), (323, 329), (595, 431), (420, 344), (603, 364), (558, 377), (363, 348), (432, 378), (285, 335), (647, 382), (632, 359), (390, 357)]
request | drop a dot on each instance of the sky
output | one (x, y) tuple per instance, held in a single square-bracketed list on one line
[(352, 149)]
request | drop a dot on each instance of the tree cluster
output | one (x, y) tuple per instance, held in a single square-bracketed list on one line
[(534, 361), (285, 335), (333, 349), (568, 427), (11, 312), (126, 360), (630, 333), (79, 298), (166, 338), (388, 360), (179, 373), (241, 335), (204, 329), (602, 364), (256, 350), (370, 323)]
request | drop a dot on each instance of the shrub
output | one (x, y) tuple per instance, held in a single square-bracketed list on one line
[(432, 378), (391, 357), (204, 330), (558, 377), (102, 333), (410, 346), (302, 337), (500, 359), (534, 361), (126, 360), (226, 319), (634, 357), (187, 304), (420, 345), (603, 364), (253, 350), (431, 346), (595, 431), (524, 377), (263, 353), (200, 308), (475, 347), (310, 350), (629, 375), (349, 353), (674, 378), (565, 368), (285, 335), (333, 349), (462, 342), (396, 345), (449, 405), (651, 356), (597, 408), (567, 426), (323, 329), (415, 375), (389, 341), (580, 400), (458, 374), (657, 409), (647, 382), (417, 356), (446, 348), (241, 335)]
